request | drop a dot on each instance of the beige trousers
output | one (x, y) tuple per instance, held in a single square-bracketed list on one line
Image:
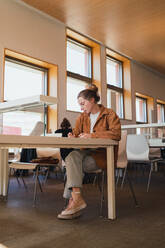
[(77, 162)]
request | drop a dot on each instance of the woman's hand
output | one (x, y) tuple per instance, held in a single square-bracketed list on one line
[(84, 135), (70, 135)]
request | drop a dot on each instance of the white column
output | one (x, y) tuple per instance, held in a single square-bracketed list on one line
[(4, 172)]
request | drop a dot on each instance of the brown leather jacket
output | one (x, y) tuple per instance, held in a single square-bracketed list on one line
[(107, 126)]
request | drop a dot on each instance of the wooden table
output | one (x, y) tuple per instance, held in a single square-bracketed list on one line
[(9, 141)]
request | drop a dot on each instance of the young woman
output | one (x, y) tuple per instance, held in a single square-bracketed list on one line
[(96, 121)]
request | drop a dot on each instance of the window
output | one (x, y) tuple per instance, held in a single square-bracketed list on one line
[(141, 110), (115, 84), (119, 101), (79, 72), (160, 112), (23, 80)]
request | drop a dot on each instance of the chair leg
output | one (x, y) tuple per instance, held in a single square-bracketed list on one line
[(46, 176), (102, 193), (39, 184), (35, 187), (97, 176), (149, 178), (132, 190), (122, 183), (94, 180), (8, 183), (118, 175), (21, 174), (65, 179), (24, 183), (15, 174)]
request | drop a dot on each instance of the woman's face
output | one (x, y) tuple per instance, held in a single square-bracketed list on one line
[(86, 105)]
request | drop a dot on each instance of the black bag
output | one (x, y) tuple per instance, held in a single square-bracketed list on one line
[(162, 150), (27, 154)]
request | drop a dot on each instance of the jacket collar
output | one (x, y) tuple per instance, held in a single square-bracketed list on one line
[(103, 111)]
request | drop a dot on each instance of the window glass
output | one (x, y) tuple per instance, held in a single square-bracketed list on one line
[(21, 122), (74, 86), (118, 103), (114, 72), (21, 81), (78, 71), (114, 84), (141, 109), (78, 58), (160, 113)]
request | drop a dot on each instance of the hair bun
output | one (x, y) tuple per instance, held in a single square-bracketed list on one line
[(91, 91), (93, 87)]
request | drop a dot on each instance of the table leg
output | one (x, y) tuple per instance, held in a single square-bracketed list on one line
[(4, 172), (111, 183)]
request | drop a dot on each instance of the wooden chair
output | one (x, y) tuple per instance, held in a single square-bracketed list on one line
[(122, 163)]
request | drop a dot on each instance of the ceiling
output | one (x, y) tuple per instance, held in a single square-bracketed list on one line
[(135, 28)]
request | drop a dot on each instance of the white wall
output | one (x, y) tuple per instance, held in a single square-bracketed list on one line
[(146, 82)]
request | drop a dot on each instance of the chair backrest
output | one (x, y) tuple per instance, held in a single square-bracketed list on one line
[(122, 156), (38, 129), (137, 147)]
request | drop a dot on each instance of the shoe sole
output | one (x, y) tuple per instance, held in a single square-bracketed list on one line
[(74, 211), (69, 216)]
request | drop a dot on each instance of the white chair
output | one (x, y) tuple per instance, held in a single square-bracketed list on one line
[(38, 129), (137, 150)]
